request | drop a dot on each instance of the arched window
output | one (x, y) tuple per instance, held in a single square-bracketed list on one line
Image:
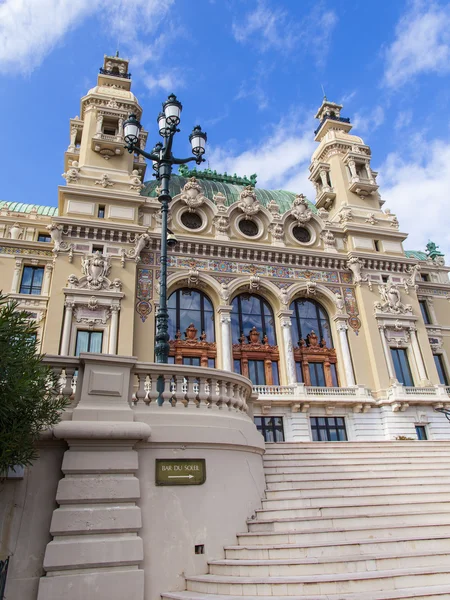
[(255, 350), (191, 328), (315, 357)]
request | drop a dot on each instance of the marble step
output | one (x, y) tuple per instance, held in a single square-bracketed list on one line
[(326, 565), (362, 476), (347, 471), (309, 454), (324, 549), (317, 482), (274, 466), (342, 533), (363, 509), (402, 517), (439, 592), (283, 498), (324, 584), (277, 447)]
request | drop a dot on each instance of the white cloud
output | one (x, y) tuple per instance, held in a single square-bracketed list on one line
[(281, 160), (29, 29), (421, 45), (169, 81), (275, 29), (368, 120), (416, 189), (403, 119), (271, 28)]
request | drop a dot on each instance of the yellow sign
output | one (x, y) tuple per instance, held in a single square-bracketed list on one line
[(180, 471)]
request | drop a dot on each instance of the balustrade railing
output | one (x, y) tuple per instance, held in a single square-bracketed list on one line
[(66, 370), (418, 391), (182, 385), (331, 391), (272, 390)]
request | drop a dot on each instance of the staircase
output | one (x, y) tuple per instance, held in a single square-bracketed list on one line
[(342, 521)]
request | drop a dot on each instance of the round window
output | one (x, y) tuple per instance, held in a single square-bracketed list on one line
[(248, 227), (191, 220), (301, 234)]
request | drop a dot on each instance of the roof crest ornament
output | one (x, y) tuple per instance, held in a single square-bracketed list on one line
[(184, 171)]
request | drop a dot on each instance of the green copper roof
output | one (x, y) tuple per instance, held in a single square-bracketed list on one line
[(230, 191), (21, 207), (416, 254)]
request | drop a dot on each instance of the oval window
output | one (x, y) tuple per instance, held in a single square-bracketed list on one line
[(248, 227), (301, 234), (191, 220)]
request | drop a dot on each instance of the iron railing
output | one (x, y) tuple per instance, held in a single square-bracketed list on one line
[(115, 74)]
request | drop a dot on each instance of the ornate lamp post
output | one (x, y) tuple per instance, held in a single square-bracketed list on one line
[(163, 159)]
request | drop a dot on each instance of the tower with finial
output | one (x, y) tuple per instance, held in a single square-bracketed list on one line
[(340, 168), (96, 161)]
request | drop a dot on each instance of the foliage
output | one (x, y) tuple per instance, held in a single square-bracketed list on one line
[(28, 399)]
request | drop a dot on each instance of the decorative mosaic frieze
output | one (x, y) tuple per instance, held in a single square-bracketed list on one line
[(147, 258), (433, 292), (144, 293), (281, 272), (25, 251), (351, 307)]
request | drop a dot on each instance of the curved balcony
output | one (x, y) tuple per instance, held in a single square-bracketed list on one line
[(154, 385), (190, 387)]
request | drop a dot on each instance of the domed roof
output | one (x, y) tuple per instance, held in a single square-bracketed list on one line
[(231, 192)]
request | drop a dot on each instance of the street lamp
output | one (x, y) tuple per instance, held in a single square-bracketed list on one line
[(163, 159)]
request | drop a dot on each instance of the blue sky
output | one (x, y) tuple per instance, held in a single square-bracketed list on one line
[(250, 72)]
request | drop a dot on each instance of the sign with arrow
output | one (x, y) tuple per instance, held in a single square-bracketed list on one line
[(180, 471)]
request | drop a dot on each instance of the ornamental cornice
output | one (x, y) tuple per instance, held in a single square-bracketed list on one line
[(102, 193), (340, 147), (353, 227), (102, 101)]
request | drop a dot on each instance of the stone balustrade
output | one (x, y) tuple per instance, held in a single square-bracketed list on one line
[(301, 398), (188, 386)]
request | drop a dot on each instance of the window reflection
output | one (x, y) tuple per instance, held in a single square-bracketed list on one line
[(315, 357), (307, 316), (188, 307), (255, 353), (191, 328), (250, 310)]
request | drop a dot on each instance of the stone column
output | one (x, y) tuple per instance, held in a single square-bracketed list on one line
[(47, 279), (418, 355), (16, 276), (342, 327), (352, 167), (96, 548), (225, 329), (286, 328), (323, 177), (113, 329), (387, 354), (66, 328), (73, 137)]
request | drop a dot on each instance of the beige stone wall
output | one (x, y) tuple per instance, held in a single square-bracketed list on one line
[(26, 507)]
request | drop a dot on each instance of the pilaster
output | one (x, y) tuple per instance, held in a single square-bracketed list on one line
[(95, 543), (286, 328), (224, 313)]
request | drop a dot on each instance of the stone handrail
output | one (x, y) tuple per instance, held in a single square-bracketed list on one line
[(418, 391), (176, 385), (271, 390), (66, 368), (331, 391)]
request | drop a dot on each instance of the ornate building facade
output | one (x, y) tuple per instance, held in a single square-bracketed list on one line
[(343, 333)]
